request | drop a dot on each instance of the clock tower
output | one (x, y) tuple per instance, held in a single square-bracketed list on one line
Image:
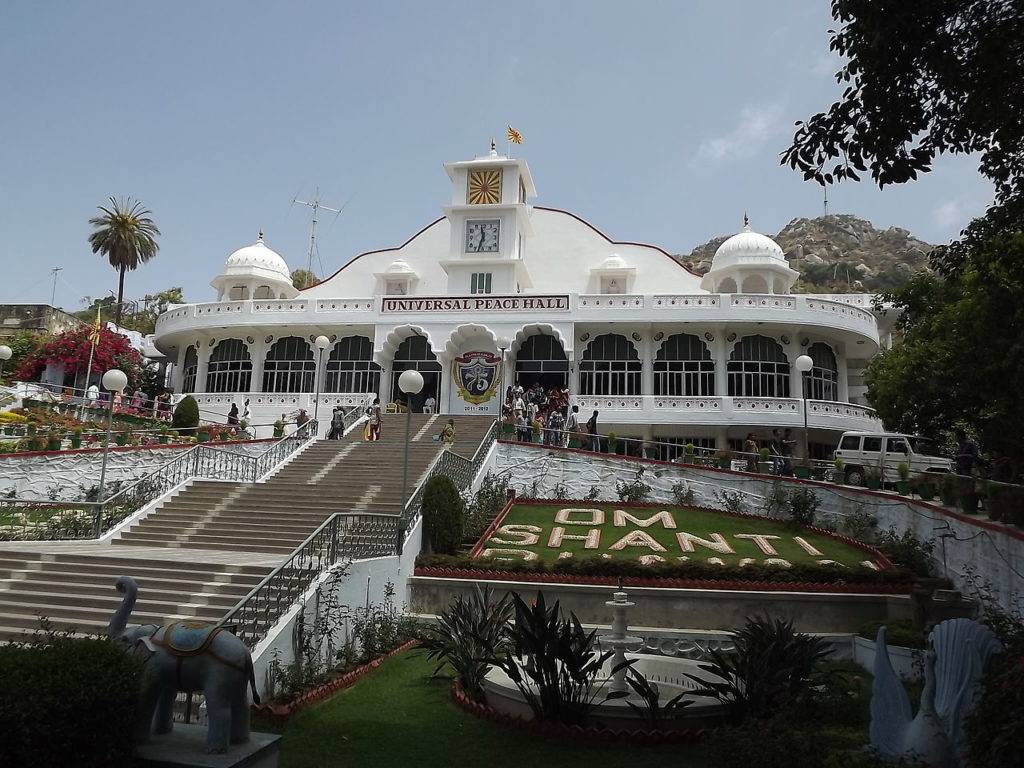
[(489, 217)]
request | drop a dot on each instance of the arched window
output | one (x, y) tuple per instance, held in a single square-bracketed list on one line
[(610, 366), (238, 293), (350, 368), (727, 286), (263, 292), (683, 367), (755, 284), (415, 354), (542, 359), (780, 286), (289, 366), (189, 369), (758, 368), (822, 381), (230, 369)]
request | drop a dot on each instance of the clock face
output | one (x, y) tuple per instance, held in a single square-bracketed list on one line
[(482, 236), (484, 186)]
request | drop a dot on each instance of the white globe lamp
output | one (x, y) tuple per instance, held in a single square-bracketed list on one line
[(410, 382), (804, 364), (5, 355), (115, 380)]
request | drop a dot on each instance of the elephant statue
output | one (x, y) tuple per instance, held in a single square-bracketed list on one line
[(191, 657)]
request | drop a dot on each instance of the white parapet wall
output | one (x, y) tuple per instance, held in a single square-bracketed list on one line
[(963, 546), (67, 475)]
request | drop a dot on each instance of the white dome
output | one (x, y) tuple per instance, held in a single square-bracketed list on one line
[(399, 267), (614, 262), (747, 247), (258, 257)]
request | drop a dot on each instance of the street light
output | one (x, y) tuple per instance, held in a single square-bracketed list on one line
[(321, 343), (410, 383), (502, 345), (804, 365), (5, 355), (113, 381)]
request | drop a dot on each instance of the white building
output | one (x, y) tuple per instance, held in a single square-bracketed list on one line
[(499, 290)]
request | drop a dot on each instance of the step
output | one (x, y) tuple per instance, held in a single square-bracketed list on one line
[(46, 583), (152, 599)]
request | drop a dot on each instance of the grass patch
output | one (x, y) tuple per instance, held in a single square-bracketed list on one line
[(700, 523)]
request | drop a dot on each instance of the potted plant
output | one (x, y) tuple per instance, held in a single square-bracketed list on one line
[(202, 435), (122, 438), (926, 488), (689, 450), (1005, 502), (53, 440), (76, 438), (224, 435), (903, 485), (613, 442), (969, 495), (30, 427), (278, 428), (802, 471), (872, 478), (163, 437), (947, 490), (764, 465), (724, 459)]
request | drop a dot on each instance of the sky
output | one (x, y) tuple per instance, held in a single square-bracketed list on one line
[(658, 122)]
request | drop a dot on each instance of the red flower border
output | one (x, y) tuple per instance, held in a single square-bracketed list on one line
[(638, 737)]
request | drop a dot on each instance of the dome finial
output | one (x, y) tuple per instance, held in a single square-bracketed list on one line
[(746, 222), (260, 238)]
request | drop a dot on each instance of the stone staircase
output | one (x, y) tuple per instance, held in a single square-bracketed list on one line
[(201, 551)]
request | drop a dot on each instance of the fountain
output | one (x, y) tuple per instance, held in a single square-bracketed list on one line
[(618, 641)]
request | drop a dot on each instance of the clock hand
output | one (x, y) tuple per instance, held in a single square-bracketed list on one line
[(480, 245)]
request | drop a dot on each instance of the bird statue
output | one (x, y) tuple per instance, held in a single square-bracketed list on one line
[(953, 666)]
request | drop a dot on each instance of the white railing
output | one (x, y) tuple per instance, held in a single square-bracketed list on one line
[(610, 301)]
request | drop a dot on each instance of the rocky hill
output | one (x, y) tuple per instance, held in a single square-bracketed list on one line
[(837, 254)]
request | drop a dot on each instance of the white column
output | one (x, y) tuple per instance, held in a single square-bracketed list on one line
[(793, 351), (646, 363), (257, 353), (843, 374), (720, 353), (178, 374), (203, 353)]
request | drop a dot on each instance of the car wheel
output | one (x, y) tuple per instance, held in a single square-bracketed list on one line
[(855, 476)]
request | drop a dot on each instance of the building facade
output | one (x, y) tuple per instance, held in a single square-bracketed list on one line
[(499, 291)]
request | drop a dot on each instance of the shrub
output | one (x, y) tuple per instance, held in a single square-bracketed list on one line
[(186, 414), (67, 701), (443, 513), (803, 506), (683, 494), (466, 635), (860, 525), (908, 551), (905, 634), (995, 730), (770, 667), (634, 491), (487, 502)]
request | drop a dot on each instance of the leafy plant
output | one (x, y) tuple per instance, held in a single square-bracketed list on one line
[(860, 525), (443, 513), (683, 494), (468, 633), (186, 414), (732, 501), (803, 505), (593, 494), (651, 708), (635, 490), (772, 664), (908, 551), (486, 503), (552, 661)]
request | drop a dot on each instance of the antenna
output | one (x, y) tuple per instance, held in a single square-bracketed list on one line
[(53, 294), (317, 205), (826, 199)]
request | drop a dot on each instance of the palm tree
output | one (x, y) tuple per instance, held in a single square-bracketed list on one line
[(125, 234)]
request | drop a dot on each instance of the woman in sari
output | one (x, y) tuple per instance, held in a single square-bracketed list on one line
[(371, 432)]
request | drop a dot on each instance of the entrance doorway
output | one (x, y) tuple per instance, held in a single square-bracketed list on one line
[(415, 354), (542, 360)]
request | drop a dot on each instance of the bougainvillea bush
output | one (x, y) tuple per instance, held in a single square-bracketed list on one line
[(72, 349)]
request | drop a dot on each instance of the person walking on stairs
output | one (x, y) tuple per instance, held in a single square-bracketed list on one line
[(371, 433)]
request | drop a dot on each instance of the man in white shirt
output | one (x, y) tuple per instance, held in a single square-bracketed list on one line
[(429, 404)]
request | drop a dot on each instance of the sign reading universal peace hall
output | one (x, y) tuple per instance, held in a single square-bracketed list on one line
[(427, 304)]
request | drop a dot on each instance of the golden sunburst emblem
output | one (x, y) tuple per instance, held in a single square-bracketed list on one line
[(484, 186)]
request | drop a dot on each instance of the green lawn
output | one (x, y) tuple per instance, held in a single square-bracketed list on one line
[(397, 716), (700, 523)]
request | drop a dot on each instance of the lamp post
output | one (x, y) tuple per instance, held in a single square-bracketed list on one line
[(113, 381), (804, 365), (5, 355), (502, 346), (410, 383), (321, 343)]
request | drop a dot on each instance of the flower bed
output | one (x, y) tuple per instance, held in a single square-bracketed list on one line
[(282, 712), (639, 737)]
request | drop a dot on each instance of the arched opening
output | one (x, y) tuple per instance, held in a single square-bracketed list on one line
[(415, 353), (758, 368), (542, 359), (822, 381), (684, 367), (350, 368), (289, 366), (230, 368), (780, 286), (755, 284), (189, 369), (238, 293), (610, 366), (727, 286), (263, 292)]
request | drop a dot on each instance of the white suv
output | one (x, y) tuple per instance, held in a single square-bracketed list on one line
[(884, 452)]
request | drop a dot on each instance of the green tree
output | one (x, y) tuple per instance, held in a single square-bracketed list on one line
[(444, 514), (186, 414), (303, 278), (923, 78), (126, 235)]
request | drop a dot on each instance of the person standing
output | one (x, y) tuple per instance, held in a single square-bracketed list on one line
[(247, 413), (448, 433), (374, 423), (233, 416), (750, 449), (594, 437), (337, 424), (429, 404)]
